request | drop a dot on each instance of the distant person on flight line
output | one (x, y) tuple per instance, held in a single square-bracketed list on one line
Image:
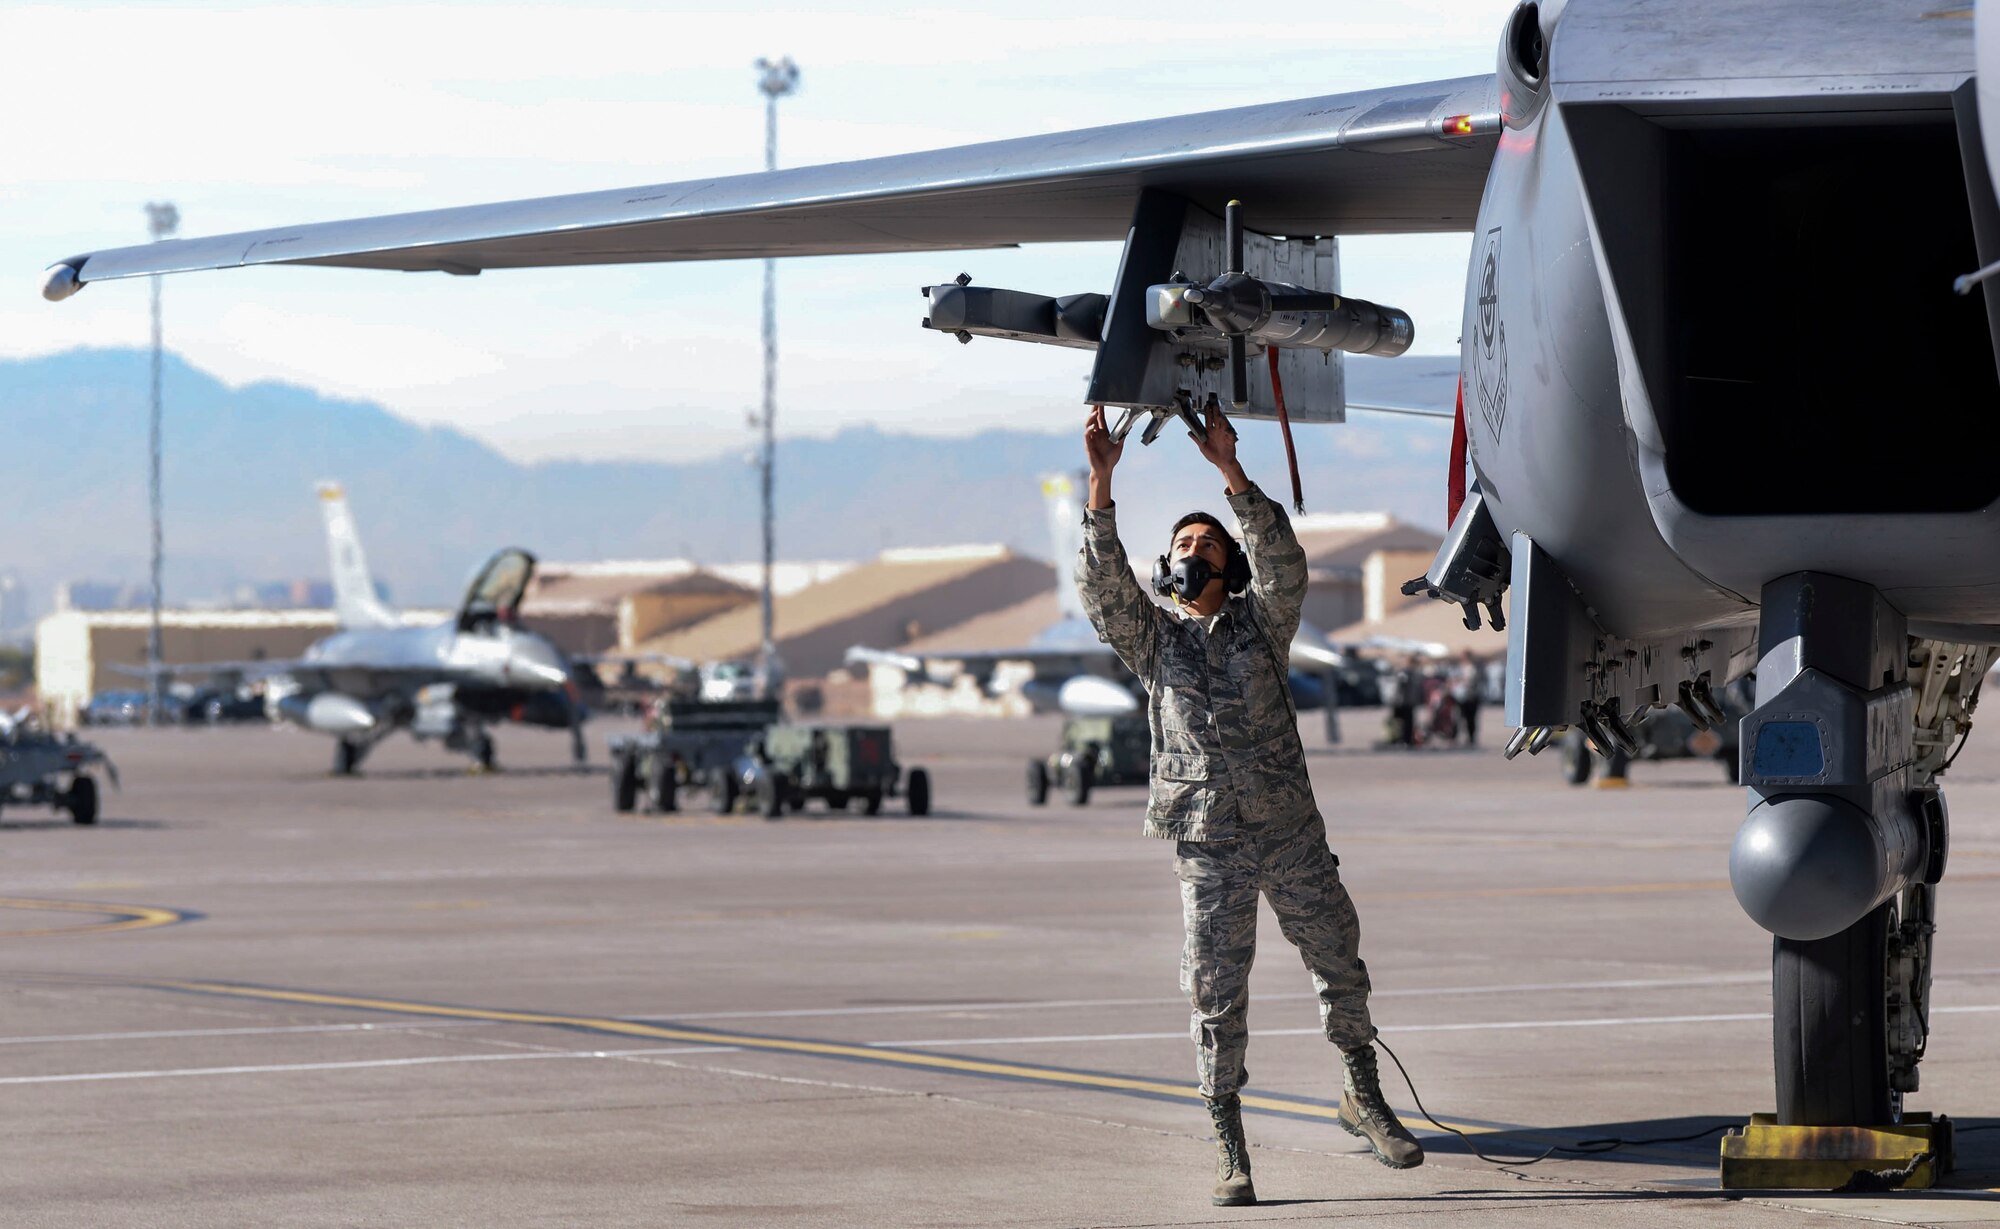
[(1229, 785)]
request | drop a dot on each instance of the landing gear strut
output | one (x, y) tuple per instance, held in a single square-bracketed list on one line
[(1839, 858)]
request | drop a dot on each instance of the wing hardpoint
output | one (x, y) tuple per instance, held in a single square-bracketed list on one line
[(1408, 159)]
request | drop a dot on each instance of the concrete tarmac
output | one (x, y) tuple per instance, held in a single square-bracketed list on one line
[(258, 995)]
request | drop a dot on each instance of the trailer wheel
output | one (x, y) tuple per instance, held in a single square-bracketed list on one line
[(665, 786), (836, 800), (624, 781), (771, 795), (871, 802), (918, 791), (1038, 783), (725, 791), (80, 800), (1077, 780)]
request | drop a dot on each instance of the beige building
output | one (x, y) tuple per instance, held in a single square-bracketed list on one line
[(900, 596), (591, 608), (1339, 546)]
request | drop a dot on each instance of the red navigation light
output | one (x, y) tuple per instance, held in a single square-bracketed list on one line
[(1458, 126)]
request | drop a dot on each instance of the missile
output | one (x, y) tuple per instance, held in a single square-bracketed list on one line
[(1282, 315)]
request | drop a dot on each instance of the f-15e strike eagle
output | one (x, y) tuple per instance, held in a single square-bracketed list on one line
[(1721, 408)]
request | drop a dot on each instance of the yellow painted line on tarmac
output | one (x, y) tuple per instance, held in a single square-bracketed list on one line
[(912, 1059), (124, 917)]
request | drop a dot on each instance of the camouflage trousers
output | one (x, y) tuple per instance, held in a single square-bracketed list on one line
[(1220, 883)]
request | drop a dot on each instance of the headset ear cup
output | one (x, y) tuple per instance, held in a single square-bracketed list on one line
[(1236, 576), (1163, 576)]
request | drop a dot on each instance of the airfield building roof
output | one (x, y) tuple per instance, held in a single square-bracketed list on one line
[(1338, 543), (879, 603)]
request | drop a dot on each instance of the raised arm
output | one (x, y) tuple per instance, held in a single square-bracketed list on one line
[(1277, 561), (1125, 618)]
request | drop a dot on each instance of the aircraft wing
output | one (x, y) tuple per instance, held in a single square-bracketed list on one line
[(1407, 159), (260, 668)]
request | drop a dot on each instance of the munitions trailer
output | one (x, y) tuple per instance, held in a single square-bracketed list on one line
[(836, 764), (687, 745), (1095, 751)]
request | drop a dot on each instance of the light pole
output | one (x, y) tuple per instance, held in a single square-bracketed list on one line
[(776, 78), (162, 220)]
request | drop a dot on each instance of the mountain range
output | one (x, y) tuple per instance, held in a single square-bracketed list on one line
[(239, 464)]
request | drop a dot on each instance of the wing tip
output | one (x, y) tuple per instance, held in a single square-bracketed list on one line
[(62, 279)]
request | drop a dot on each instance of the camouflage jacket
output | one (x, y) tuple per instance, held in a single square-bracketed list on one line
[(1226, 750)]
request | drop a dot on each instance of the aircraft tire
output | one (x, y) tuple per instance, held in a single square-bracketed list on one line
[(624, 782), (346, 758), (1730, 767), (725, 791), (80, 800), (482, 751), (918, 791), (1829, 1026), (664, 788), (1575, 758), (772, 793), (1038, 783)]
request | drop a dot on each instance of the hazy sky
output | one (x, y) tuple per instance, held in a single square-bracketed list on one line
[(250, 115)]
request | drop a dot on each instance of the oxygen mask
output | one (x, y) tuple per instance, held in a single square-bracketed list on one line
[(1185, 579)]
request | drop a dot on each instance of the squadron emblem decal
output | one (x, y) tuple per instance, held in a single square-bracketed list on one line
[(1490, 354)]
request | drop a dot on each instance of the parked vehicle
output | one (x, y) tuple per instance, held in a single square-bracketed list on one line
[(116, 708), (217, 706), (41, 768), (836, 764), (687, 745), (1095, 751)]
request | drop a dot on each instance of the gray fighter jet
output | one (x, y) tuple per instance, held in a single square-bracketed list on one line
[(447, 681), (1720, 403)]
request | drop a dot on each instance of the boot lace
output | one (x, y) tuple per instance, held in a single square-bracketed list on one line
[(1365, 1082), (1228, 1120)]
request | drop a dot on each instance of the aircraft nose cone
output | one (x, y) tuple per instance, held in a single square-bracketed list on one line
[(1806, 866)]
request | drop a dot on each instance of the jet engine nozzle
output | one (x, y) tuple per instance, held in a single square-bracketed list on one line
[(1806, 866)]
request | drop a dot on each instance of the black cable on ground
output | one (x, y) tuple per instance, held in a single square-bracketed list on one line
[(1583, 1147)]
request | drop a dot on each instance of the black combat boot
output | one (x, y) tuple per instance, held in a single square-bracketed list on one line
[(1364, 1112), (1232, 1154)]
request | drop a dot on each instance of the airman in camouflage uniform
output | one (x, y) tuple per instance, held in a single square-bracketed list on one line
[(1229, 787)]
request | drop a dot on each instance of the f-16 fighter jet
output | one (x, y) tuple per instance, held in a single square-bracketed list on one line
[(447, 681), (1717, 393)]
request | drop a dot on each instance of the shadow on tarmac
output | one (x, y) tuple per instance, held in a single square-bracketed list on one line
[(63, 822), (1659, 1142), (451, 773)]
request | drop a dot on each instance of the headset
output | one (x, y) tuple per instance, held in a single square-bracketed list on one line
[(1235, 573)]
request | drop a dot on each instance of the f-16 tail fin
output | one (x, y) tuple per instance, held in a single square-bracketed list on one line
[(355, 603), (1064, 495)]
